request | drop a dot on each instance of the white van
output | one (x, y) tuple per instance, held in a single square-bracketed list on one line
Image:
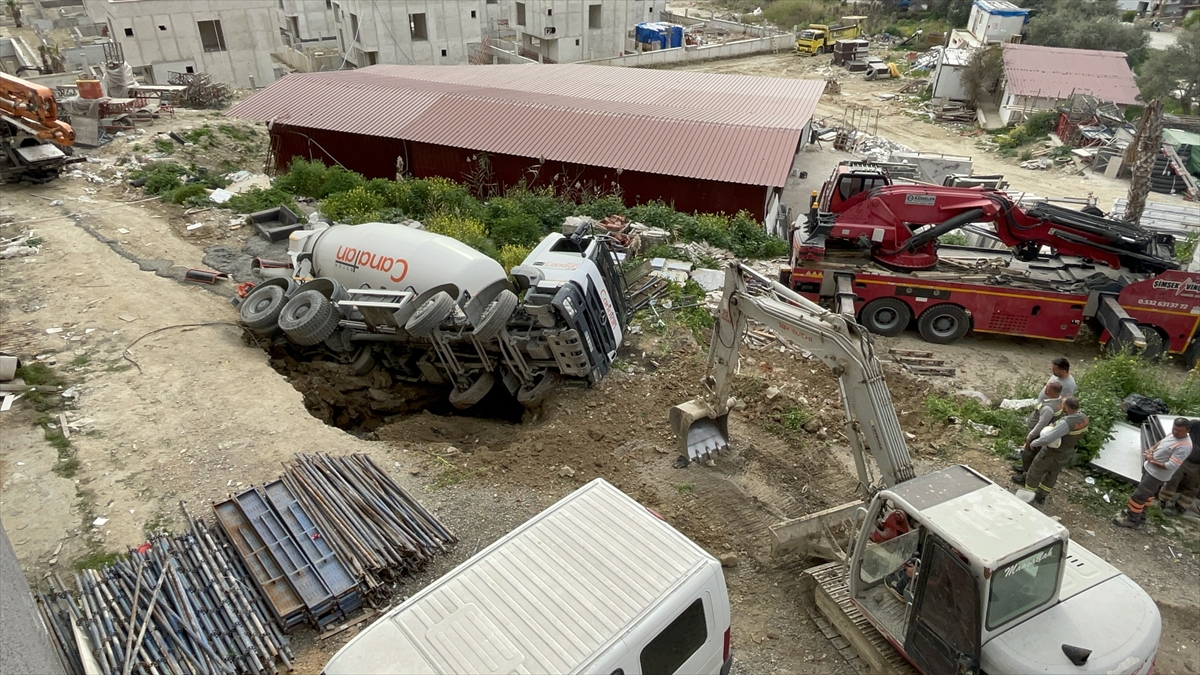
[(594, 584)]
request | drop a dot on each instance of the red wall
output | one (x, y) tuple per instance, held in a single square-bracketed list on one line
[(375, 157)]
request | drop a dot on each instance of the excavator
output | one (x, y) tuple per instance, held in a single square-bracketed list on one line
[(32, 137), (945, 573)]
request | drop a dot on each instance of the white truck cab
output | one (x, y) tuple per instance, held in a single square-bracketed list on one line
[(963, 577), (594, 584)]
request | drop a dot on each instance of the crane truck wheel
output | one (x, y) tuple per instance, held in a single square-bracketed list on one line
[(885, 316), (496, 315), (944, 324), (465, 398), (1156, 344), (260, 310), (429, 315), (309, 318)]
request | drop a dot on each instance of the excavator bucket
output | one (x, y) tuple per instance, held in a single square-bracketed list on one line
[(701, 432)]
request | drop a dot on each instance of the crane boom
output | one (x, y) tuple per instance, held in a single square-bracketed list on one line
[(702, 424)]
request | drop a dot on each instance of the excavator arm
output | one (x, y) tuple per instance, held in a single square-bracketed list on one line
[(32, 107), (701, 425)]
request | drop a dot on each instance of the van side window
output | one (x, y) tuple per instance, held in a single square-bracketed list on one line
[(671, 648)]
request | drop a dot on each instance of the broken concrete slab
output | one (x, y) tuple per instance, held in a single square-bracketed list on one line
[(276, 224), (708, 280)]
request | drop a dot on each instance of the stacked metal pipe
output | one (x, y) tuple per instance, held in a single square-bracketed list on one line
[(376, 528), (179, 605)]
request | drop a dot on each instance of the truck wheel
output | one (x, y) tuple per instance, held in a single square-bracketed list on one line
[(260, 310), (465, 398), (885, 316), (308, 318), (364, 362), (537, 392), (1191, 355), (429, 315), (496, 315), (944, 324), (1156, 344)]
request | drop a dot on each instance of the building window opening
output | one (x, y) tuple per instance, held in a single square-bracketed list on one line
[(594, 16), (417, 28), (520, 14), (211, 37), (128, 32)]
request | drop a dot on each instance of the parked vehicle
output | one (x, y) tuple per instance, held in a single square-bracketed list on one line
[(428, 308), (596, 583), (947, 573), (34, 144), (819, 38), (1052, 270)]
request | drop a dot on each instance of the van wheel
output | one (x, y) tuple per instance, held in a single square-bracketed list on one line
[(944, 324), (260, 310), (465, 398), (309, 318), (495, 317), (429, 315), (885, 316)]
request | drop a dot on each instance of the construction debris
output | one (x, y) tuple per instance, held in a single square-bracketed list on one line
[(376, 528), (178, 604), (200, 91)]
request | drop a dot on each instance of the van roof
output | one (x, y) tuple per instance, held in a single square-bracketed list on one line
[(543, 599)]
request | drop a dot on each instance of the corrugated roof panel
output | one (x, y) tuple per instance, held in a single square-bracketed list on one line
[(729, 128), (1055, 72)]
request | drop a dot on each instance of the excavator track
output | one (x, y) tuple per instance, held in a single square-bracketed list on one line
[(831, 594)]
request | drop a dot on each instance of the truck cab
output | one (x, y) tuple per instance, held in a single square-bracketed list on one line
[(961, 577)]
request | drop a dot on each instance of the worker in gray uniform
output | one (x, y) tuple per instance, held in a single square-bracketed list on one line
[(1051, 460), (1060, 372), (1179, 494), (1047, 408)]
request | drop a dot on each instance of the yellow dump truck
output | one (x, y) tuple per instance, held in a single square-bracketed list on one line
[(819, 38)]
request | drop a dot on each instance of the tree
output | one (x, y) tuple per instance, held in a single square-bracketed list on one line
[(1082, 25), (1174, 72), (982, 73)]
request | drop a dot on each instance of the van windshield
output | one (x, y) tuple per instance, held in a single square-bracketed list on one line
[(1023, 585)]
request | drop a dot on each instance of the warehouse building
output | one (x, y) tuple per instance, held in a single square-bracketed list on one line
[(703, 142)]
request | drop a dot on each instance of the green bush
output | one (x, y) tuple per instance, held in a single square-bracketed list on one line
[(509, 223), (470, 231), (1129, 15), (303, 178), (164, 145), (193, 194), (601, 207), (358, 205), (658, 213), (258, 199), (338, 179), (510, 256)]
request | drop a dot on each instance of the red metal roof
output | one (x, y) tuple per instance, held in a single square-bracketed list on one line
[(730, 128), (1056, 72)]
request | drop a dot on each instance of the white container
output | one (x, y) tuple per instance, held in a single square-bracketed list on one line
[(396, 257)]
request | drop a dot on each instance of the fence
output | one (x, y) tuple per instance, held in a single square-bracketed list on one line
[(690, 53)]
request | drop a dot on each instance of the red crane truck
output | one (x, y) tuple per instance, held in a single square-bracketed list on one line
[(872, 247)]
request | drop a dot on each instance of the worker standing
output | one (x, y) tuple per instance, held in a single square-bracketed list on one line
[(1180, 492), (1049, 404), (1051, 457), (1060, 372), (1162, 461)]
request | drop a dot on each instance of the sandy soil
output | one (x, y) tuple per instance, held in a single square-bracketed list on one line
[(203, 414)]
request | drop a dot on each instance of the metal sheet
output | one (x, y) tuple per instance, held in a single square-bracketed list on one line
[(295, 566), (44, 152), (305, 533), (739, 129), (285, 603), (1058, 73), (1122, 454)]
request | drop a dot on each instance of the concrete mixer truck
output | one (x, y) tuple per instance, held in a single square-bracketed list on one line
[(431, 309)]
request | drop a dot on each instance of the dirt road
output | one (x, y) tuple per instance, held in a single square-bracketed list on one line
[(202, 414)]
